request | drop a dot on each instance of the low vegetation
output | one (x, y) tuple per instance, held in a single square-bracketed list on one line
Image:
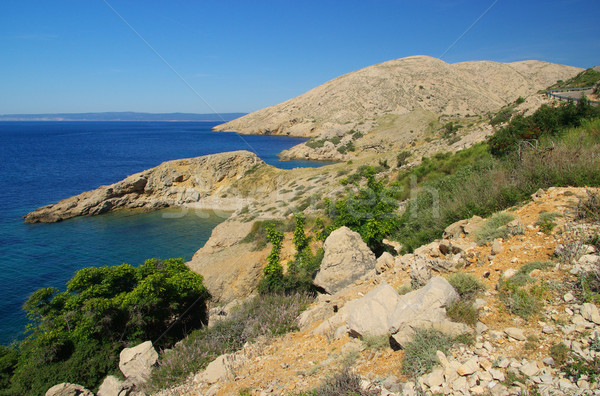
[(586, 78), (466, 285), (342, 383), (76, 335), (264, 316), (518, 294), (494, 227), (420, 354)]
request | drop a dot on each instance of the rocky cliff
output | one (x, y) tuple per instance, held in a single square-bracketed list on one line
[(172, 183), (399, 87)]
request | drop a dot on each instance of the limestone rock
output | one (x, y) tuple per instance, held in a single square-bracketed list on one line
[(66, 389), (497, 247), (530, 369), (420, 272), (136, 363), (369, 314), (112, 386), (384, 262), (346, 259), (469, 367), (590, 313), (515, 333), (426, 304), (217, 370)]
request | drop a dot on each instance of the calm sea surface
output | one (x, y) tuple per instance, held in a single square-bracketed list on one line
[(43, 162)]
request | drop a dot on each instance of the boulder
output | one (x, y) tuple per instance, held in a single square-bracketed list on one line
[(420, 272), (590, 313), (217, 370), (112, 386), (136, 363), (516, 333), (369, 314), (465, 227), (384, 262), (425, 304), (66, 389), (497, 247), (346, 259)]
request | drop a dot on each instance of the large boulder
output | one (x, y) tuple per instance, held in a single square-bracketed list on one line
[(136, 363), (369, 315), (425, 304), (113, 386), (66, 389), (346, 259)]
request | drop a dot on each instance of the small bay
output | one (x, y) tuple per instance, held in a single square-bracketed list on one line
[(43, 162)]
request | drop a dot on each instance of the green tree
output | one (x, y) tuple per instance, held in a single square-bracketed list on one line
[(272, 280)]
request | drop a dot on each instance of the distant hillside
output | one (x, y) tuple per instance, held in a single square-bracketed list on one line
[(399, 87), (120, 116), (586, 78)]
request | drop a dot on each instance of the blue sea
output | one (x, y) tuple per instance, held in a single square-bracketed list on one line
[(43, 162)]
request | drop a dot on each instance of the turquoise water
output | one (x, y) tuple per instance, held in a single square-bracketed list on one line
[(43, 162)]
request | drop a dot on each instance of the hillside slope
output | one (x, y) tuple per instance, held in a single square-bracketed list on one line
[(399, 87)]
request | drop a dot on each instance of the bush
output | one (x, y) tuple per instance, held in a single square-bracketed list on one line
[(258, 232), (420, 354), (466, 285), (75, 336), (494, 227), (376, 342), (546, 221), (589, 207), (341, 384), (263, 316), (516, 298), (463, 311)]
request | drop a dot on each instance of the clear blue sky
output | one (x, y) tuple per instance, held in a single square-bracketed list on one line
[(240, 56)]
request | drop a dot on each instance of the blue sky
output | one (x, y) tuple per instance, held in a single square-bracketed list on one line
[(240, 56)]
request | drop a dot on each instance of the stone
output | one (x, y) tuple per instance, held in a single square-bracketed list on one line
[(530, 369), (509, 273), (67, 389), (497, 247), (217, 370), (441, 357), (445, 246), (568, 297), (136, 363), (459, 384), (346, 258), (480, 328), (515, 333), (397, 246), (435, 378), (425, 304), (369, 315), (548, 361), (547, 329), (420, 272), (497, 375), (113, 386), (485, 364), (469, 367), (590, 313), (479, 303), (341, 332), (384, 263)]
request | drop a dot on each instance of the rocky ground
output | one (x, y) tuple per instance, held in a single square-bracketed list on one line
[(509, 354)]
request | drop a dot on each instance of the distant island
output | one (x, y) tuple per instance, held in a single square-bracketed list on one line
[(121, 116)]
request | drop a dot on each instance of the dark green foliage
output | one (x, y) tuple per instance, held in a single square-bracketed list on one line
[(272, 280), (466, 285), (356, 134), (420, 354), (577, 367), (502, 116), (546, 121), (370, 211), (546, 221), (264, 316), (402, 157), (519, 100), (75, 336), (559, 352), (8, 363)]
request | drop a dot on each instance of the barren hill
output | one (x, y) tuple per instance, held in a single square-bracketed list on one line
[(399, 87)]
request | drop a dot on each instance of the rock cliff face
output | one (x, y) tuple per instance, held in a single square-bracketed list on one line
[(172, 183), (399, 87)]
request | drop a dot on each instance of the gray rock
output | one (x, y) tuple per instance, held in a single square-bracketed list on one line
[(217, 370), (435, 378), (548, 330), (530, 369), (515, 333), (548, 361), (345, 260), (568, 297), (497, 247), (469, 367), (136, 363), (420, 272), (112, 386), (370, 314), (425, 304), (66, 389), (480, 328), (590, 313), (384, 262)]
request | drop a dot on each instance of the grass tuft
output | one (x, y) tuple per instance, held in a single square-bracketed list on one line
[(466, 285), (420, 353), (494, 227)]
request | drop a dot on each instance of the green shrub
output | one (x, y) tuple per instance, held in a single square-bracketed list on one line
[(466, 285), (463, 311), (402, 158), (516, 298), (376, 342), (494, 227), (546, 221), (343, 383), (420, 354), (75, 336), (588, 208)]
